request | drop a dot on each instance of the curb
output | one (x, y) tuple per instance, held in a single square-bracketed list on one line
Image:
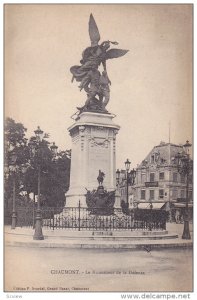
[(102, 237), (133, 246), (100, 240)]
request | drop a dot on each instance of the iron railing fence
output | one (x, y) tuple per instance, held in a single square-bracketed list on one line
[(81, 218)]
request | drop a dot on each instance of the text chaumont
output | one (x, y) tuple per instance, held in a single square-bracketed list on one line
[(64, 272)]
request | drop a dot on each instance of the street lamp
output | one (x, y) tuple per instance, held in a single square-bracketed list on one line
[(117, 177), (13, 164), (132, 176), (127, 167), (151, 212), (39, 134), (35, 145), (54, 150), (184, 165)]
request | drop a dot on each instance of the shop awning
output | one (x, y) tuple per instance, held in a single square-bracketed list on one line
[(182, 205), (157, 205)]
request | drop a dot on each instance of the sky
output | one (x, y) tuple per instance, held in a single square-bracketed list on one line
[(151, 87)]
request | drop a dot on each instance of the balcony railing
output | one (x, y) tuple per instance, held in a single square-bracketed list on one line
[(151, 184)]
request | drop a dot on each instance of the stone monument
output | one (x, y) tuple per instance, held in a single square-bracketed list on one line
[(93, 132)]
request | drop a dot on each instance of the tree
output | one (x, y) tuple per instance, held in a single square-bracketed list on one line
[(55, 173), (55, 180), (59, 180), (15, 142)]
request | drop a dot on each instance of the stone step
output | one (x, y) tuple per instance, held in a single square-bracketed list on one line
[(87, 233), (116, 238), (97, 235)]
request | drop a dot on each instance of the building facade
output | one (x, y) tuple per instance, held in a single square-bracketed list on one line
[(158, 180)]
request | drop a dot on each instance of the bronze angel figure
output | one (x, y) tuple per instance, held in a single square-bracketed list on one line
[(91, 80)]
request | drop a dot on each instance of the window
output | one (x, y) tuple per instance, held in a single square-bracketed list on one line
[(152, 194), (161, 194), (190, 195), (152, 177), (143, 194), (143, 177), (161, 176), (182, 194), (182, 178), (152, 159), (174, 194), (175, 177)]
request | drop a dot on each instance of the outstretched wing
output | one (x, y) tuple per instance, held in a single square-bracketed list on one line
[(93, 31), (115, 53)]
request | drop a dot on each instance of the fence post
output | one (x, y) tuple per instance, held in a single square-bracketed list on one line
[(79, 215)]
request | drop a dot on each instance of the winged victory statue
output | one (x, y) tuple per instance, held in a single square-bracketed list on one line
[(93, 81)]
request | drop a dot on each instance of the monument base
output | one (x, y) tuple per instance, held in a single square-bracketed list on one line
[(93, 150), (74, 196), (73, 201), (117, 203)]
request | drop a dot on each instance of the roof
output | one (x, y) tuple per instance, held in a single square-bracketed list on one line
[(164, 154)]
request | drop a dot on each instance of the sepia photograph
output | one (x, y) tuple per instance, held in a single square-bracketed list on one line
[(98, 148)]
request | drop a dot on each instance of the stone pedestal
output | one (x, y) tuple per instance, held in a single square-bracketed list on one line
[(117, 203), (93, 149)]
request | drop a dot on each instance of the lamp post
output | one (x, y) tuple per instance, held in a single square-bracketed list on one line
[(127, 167), (184, 165), (35, 146), (132, 179), (117, 177), (117, 203), (54, 150), (151, 211), (132, 176), (13, 164)]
